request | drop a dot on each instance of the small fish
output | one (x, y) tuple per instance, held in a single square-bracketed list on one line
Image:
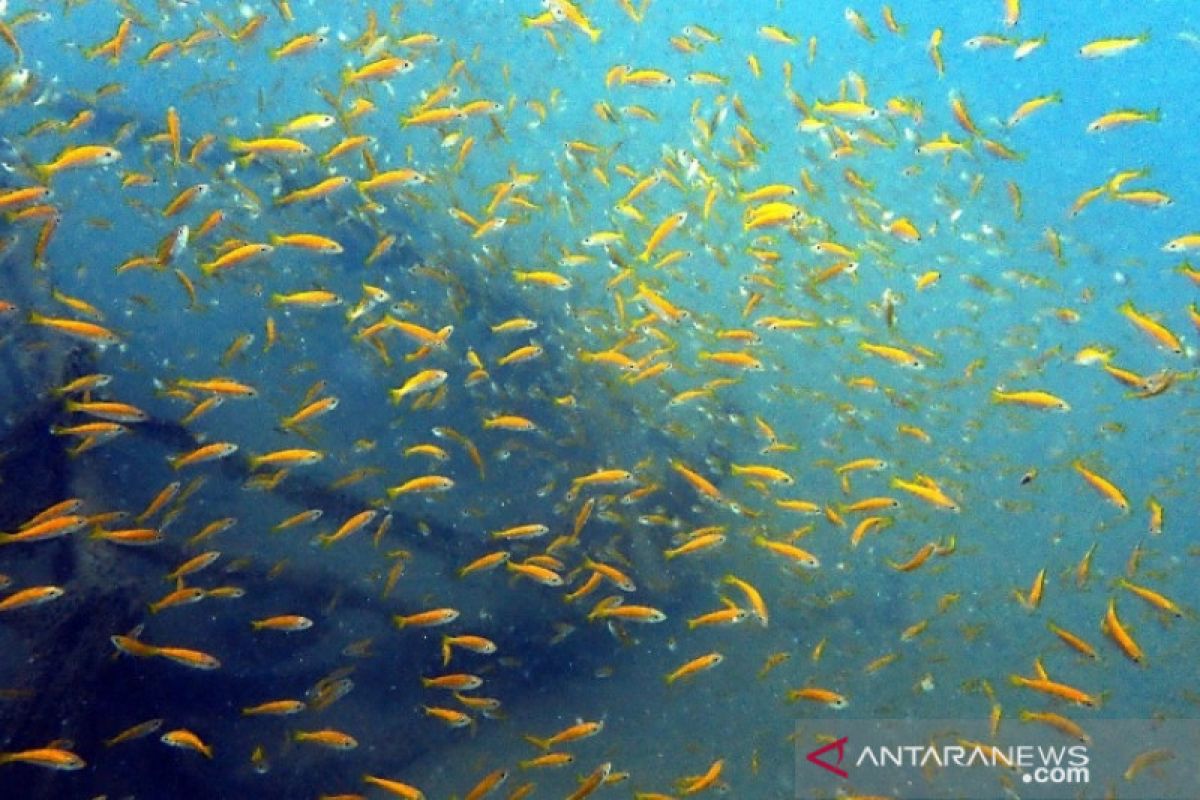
[(402, 790), (134, 732), (696, 665), (288, 623), (186, 740), (275, 708), (32, 596), (424, 619), (332, 739), (92, 155), (46, 757), (816, 694), (1113, 46), (580, 730)]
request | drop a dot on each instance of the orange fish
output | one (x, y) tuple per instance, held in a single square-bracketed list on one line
[(48, 757), (186, 740)]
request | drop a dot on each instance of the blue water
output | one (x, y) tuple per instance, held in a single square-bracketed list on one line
[(1020, 331)]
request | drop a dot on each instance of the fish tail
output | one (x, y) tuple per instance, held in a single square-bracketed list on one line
[(541, 744)]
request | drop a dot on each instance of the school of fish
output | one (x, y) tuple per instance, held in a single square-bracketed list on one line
[(657, 311)]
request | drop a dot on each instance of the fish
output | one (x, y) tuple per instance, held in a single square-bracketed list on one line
[(827, 697), (1122, 118), (1031, 398), (572, 733), (38, 530), (1112, 46), (202, 454), (138, 731), (1155, 599), (275, 708), (1112, 625), (76, 329), (432, 617), (326, 737), (395, 787), (1055, 689), (78, 157), (1103, 486), (31, 596), (557, 331), (696, 665), (288, 623), (187, 740), (47, 757), (1155, 330)]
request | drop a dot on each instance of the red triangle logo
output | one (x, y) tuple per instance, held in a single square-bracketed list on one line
[(840, 746)]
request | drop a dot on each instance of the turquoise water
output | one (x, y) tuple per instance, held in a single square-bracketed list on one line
[(573, 135)]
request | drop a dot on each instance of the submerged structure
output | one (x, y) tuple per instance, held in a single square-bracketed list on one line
[(576, 399)]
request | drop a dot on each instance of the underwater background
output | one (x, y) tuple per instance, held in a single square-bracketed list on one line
[(697, 368)]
